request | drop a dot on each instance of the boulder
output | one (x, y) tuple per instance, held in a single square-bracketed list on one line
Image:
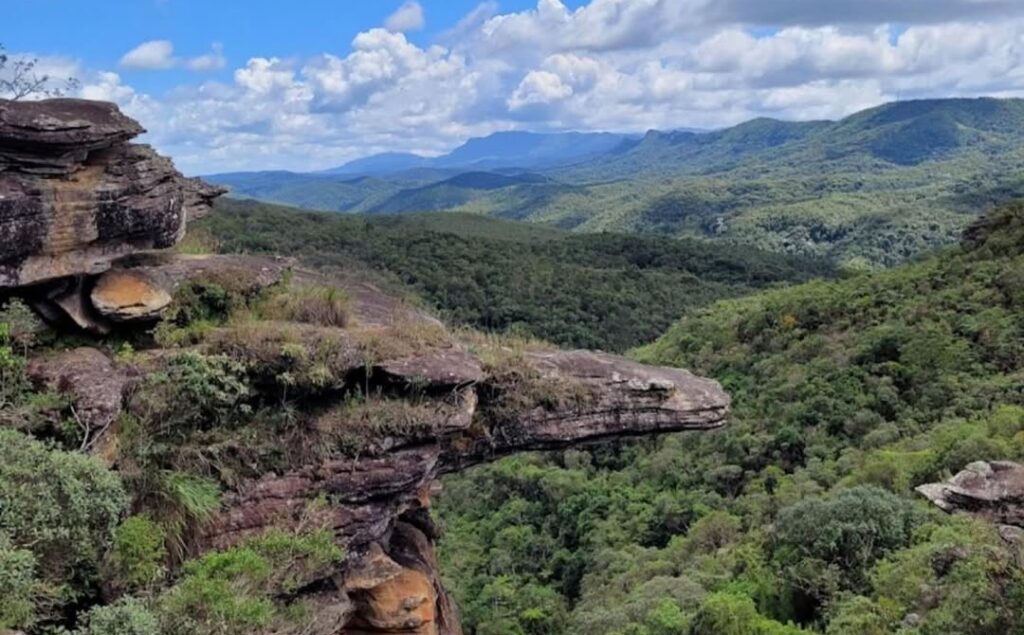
[(993, 490), (124, 295), (95, 387)]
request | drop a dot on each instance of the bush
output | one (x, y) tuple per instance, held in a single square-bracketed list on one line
[(959, 577), (61, 506), (126, 617), (726, 613), (232, 592), (137, 556), (852, 529), (194, 391), (18, 585), (858, 616), (14, 383)]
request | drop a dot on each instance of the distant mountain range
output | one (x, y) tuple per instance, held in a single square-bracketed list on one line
[(526, 150), (877, 187)]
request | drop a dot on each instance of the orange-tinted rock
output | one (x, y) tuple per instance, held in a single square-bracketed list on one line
[(406, 603), (125, 295)]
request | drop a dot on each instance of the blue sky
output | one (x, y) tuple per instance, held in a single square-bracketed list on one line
[(99, 32), (226, 85)]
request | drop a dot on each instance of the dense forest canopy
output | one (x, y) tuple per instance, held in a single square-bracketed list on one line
[(847, 395)]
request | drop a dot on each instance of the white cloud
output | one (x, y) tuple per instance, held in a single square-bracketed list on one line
[(212, 61), (823, 12), (624, 65), (159, 55), (539, 87), (152, 55), (408, 17)]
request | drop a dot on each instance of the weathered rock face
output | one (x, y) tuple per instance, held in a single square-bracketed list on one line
[(95, 387), (991, 490), (380, 497), (75, 195)]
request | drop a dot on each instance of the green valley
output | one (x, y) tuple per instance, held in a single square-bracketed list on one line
[(847, 395)]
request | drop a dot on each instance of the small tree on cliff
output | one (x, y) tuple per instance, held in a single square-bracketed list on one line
[(19, 78)]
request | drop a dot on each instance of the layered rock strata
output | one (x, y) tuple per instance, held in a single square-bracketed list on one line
[(76, 195), (379, 497)]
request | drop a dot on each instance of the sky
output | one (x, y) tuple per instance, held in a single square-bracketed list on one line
[(233, 85)]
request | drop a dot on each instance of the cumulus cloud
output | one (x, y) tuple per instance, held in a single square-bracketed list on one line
[(152, 55), (624, 65), (408, 17), (157, 55)]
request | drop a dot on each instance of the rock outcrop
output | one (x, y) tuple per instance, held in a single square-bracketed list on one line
[(78, 203), (459, 411), (993, 490), (75, 196)]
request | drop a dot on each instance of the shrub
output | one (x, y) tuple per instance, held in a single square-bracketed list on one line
[(18, 585), (726, 613), (128, 616), (289, 359), (959, 577), (61, 506), (204, 303), (14, 383), (851, 531), (136, 558), (233, 591), (22, 326), (194, 391), (858, 616)]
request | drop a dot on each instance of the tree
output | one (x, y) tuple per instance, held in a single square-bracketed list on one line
[(20, 78), (846, 534)]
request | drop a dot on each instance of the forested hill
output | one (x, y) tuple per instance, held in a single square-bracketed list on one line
[(607, 291), (879, 187), (800, 516)]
